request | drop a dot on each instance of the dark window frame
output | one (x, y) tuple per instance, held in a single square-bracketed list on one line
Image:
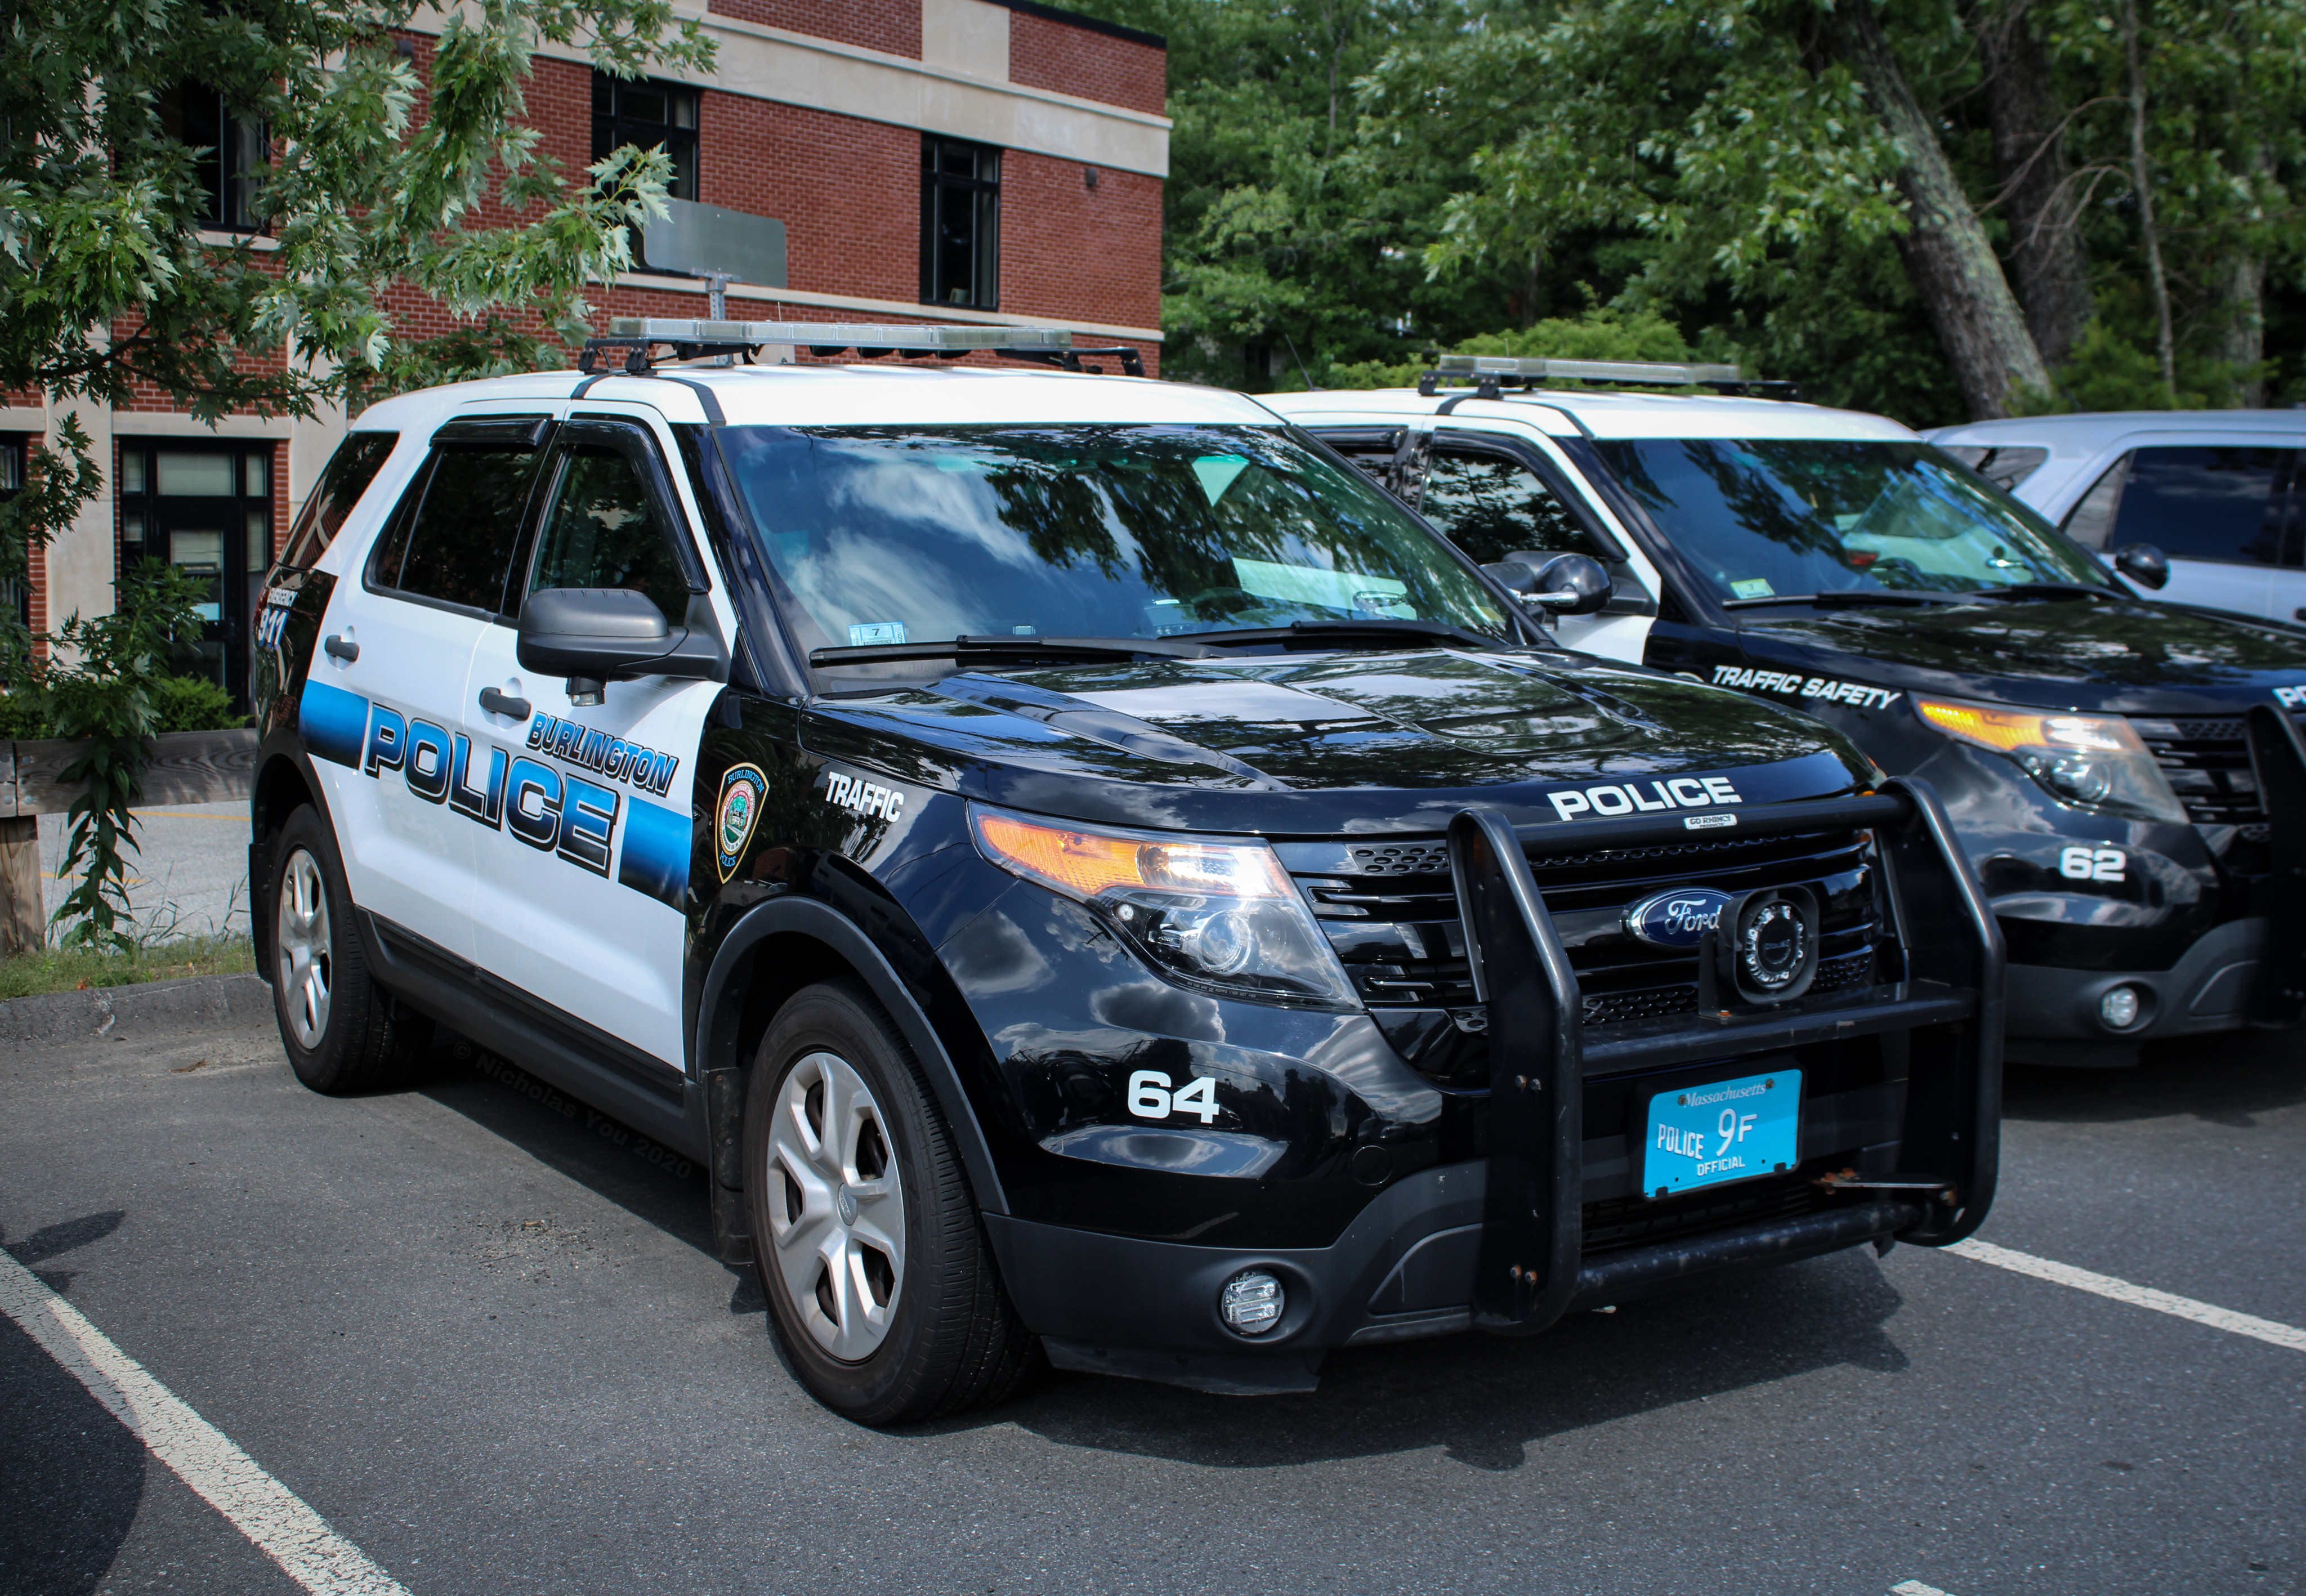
[(15, 460), (616, 125), (235, 145), (941, 190), (2288, 489), (311, 534), (634, 443), (525, 434)]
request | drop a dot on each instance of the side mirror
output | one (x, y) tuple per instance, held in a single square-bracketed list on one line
[(2143, 564), (1565, 585), (594, 636)]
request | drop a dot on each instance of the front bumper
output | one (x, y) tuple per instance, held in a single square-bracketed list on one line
[(2208, 989), (1547, 1223)]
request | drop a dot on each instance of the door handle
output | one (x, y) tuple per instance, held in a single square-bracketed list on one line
[(341, 648), (504, 704)]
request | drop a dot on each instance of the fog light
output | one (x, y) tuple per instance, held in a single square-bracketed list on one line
[(2119, 1008), (1253, 1301)]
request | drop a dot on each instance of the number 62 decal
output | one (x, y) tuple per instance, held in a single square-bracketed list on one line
[(1150, 1098), (2093, 864)]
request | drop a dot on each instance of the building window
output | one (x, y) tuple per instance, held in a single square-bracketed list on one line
[(15, 593), (227, 155), (648, 116), (960, 225)]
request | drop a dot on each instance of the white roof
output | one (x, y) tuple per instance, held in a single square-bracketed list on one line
[(2087, 429), (1605, 414), (867, 394)]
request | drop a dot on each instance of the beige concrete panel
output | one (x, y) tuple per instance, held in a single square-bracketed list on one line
[(966, 36), (773, 297), (81, 559), (167, 424)]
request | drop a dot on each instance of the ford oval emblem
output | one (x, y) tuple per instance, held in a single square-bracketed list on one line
[(1677, 919)]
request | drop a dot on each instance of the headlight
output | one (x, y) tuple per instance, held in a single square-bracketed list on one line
[(1220, 916), (2094, 762)]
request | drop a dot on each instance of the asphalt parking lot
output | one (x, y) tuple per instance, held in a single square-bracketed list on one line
[(476, 1328)]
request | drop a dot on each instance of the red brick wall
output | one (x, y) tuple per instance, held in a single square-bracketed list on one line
[(1071, 250), (847, 191), (892, 26), (1056, 56)]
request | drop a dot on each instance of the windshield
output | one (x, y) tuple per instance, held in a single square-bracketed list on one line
[(1766, 518), (901, 535)]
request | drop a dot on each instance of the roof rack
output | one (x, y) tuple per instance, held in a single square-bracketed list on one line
[(633, 341), (1493, 375)]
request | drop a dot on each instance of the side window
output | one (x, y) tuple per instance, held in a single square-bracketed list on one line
[(346, 477), (2092, 515), (1491, 506), (2212, 502), (457, 545), (2005, 466), (604, 530)]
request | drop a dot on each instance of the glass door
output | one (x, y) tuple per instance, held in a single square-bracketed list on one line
[(208, 511)]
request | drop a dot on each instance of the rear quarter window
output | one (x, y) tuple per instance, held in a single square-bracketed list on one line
[(343, 480)]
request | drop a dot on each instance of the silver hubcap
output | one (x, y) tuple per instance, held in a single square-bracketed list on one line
[(306, 955), (836, 1207)]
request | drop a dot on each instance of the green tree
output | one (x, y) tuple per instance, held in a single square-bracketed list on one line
[(378, 188)]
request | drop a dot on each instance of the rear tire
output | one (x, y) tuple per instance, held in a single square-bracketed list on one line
[(879, 1277), (342, 1033)]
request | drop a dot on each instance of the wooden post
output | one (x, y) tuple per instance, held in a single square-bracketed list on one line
[(23, 917)]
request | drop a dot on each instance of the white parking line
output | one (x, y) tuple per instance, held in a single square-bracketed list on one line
[(203, 1457), (1914, 1587), (2142, 1296)]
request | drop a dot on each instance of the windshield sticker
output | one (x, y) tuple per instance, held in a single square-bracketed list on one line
[(1682, 792), (1327, 590), (1216, 473), (1753, 587), (2290, 697), (869, 634), (1795, 685)]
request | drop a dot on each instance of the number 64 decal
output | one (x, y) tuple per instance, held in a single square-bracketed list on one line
[(2093, 864), (1150, 1098)]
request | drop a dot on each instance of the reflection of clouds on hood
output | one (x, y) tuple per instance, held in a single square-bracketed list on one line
[(957, 504)]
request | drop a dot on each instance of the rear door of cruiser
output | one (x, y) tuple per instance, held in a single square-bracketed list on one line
[(583, 893), (397, 642)]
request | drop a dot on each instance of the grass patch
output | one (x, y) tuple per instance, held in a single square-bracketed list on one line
[(59, 969)]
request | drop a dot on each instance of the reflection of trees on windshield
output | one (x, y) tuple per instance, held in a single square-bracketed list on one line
[(1090, 529), (1850, 515)]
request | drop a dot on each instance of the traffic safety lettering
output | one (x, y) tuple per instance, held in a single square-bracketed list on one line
[(861, 796), (1793, 685)]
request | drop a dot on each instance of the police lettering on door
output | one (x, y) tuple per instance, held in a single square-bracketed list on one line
[(526, 796)]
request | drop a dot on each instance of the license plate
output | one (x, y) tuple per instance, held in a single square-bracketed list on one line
[(1722, 1130)]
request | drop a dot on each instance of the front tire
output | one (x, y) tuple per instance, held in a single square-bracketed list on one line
[(341, 1031), (879, 1277)]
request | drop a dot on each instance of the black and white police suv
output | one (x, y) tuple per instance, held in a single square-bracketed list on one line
[(1085, 870), (2127, 777)]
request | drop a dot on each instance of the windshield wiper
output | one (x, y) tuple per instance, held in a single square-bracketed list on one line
[(2045, 590), (1351, 633), (1852, 599), (1011, 651)]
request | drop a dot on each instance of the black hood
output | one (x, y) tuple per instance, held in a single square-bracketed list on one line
[(2129, 655), (1330, 744)]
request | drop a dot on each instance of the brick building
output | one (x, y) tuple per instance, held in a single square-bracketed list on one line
[(994, 161)]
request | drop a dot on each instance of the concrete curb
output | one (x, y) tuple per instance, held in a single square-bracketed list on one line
[(193, 1002)]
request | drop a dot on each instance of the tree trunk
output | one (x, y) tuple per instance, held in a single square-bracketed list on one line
[(2242, 343), (1947, 254), (2141, 179), (2029, 158)]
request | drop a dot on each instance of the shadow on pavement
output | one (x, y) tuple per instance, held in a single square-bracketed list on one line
[(1484, 1399), (2228, 1078), (74, 1475), (652, 1182)]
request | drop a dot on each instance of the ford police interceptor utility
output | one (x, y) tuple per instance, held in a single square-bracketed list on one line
[(2117, 768), (1086, 871)]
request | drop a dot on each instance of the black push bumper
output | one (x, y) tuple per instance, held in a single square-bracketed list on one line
[(1500, 1244)]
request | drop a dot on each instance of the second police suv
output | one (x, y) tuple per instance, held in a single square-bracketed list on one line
[(1086, 872), (2127, 776)]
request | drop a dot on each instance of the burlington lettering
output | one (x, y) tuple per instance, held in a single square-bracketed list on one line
[(643, 768)]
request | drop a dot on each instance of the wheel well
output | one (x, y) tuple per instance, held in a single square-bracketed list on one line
[(280, 788), (773, 969)]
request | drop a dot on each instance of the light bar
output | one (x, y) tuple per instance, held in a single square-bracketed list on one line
[(838, 335), (1586, 370)]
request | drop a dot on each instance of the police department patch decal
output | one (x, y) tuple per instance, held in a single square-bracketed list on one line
[(741, 792)]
